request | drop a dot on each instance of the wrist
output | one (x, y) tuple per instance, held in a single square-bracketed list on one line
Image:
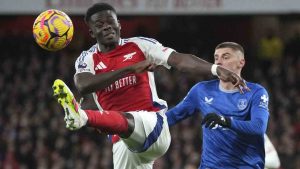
[(213, 70)]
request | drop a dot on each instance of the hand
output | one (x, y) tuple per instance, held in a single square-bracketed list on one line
[(229, 76), (213, 119), (152, 67), (143, 66)]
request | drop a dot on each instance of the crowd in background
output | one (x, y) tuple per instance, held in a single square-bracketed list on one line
[(33, 133)]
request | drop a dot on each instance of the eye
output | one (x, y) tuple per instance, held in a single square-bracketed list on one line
[(99, 24), (226, 56), (111, 22)]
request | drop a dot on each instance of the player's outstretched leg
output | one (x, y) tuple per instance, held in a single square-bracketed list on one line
[(75, 117)]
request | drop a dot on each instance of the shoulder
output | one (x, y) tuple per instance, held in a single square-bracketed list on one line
[(207, 85), (87, 53), (202, 88), (255, 87), (142, 40)]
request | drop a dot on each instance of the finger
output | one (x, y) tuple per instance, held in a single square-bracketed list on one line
[(206, 118), (235, 80), (247, 88), (212, 125), (240, 89), (207, 124), (152, 67), (239, 83), (225, 80)]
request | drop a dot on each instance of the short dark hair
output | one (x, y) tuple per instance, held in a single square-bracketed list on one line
[(98, 7), (232, 45)]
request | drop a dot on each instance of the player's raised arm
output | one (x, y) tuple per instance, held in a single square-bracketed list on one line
[(192, 64), (87, 82)]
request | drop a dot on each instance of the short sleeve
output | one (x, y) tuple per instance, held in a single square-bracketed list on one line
[(153, 50), (85, 63)]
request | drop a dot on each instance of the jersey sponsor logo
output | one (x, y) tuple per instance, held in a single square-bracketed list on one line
[(242, 104), (129, 56), (208, 100), (100, 66), (118, 84), (264, 101), (82, 65)]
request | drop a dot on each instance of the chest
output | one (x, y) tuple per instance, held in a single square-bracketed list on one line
[(235, 104), (122, 56)]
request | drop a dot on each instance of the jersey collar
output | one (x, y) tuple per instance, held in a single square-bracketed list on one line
[(121, 42)]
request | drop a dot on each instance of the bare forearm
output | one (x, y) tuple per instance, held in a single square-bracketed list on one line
[(189, 63), (87, 103), (87, 83)]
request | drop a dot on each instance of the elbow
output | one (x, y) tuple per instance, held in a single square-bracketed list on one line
[(183, 62), (180, 68), (260, 129), (83, 83), (186, 67)]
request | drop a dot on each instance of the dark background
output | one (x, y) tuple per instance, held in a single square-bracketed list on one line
[(32, 130)]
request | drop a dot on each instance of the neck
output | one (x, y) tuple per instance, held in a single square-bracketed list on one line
[(107, 48), (227, 85)]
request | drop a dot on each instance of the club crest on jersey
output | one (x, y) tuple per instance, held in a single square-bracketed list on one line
[(129, 56), (242, 104)]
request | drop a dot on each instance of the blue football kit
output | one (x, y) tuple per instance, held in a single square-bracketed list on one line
[(242, 144)]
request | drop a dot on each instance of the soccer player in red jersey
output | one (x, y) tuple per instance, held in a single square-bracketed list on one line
[(118, 74)]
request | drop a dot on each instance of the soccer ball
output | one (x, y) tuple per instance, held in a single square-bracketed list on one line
[(53, 30)]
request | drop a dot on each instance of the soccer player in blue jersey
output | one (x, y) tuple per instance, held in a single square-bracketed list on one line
[(234, 123)]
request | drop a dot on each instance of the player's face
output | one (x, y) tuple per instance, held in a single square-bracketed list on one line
[(230, 59), (104, 26)]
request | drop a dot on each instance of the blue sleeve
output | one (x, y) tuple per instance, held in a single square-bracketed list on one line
[(184, 109), (259, 112)]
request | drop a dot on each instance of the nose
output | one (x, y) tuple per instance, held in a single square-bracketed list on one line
[(107, 26), (218, 61)]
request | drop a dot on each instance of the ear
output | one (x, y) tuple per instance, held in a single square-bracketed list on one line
[(119, 24), (242, 63), (92, 33)]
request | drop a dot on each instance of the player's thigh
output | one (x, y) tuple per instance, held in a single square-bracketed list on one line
[(123, 158), (151, 137)]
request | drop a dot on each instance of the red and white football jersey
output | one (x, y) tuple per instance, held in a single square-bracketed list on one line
[(132, 92)]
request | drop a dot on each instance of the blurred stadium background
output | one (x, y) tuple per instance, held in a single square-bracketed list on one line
[(32, 130)]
